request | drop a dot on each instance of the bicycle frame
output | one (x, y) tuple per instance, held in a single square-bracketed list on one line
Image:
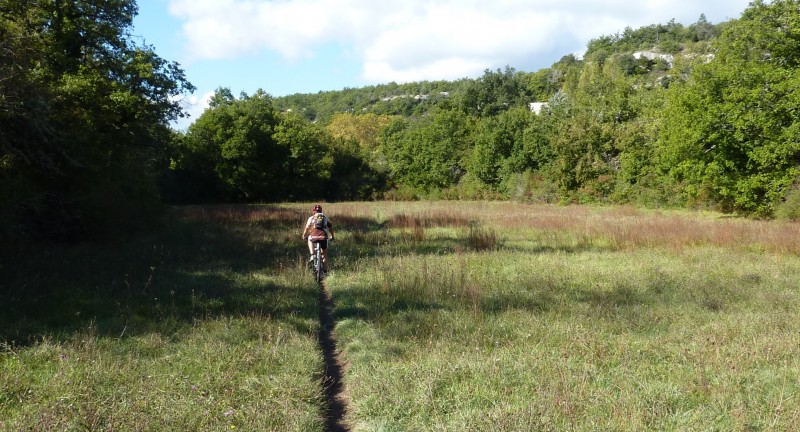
[(318, 264)]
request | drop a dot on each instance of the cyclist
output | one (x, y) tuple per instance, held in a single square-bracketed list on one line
[(320, 229)]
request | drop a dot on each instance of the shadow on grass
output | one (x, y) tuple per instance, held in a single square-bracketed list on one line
[(237, 260), (640, 304), (203, 263)]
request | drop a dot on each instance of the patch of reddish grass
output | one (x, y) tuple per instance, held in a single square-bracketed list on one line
[(241, 212), (622, 227), (431, 220), (680, 231), (482, 239)]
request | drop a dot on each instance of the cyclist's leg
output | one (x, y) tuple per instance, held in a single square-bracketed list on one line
[(324, 246)]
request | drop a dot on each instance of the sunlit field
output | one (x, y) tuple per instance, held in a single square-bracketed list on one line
[(499, 316), (449, 316)]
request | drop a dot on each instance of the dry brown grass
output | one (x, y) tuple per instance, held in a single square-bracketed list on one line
[(250, 213), (482, 239), (430, 220), (620, 227)]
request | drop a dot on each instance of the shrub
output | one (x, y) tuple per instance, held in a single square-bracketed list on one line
[(532, 187), (402, 193), (789, 209)]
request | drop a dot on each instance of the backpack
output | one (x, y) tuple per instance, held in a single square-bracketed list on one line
[(320, 221)]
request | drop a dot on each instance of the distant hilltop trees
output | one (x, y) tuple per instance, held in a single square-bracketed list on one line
[(698, 116)]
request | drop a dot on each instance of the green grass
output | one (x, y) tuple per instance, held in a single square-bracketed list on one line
[(208, 325), (585, 325), (621, 341), (450, 316), (227, 373)]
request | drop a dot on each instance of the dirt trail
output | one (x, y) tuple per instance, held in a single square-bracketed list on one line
[(335, 408)]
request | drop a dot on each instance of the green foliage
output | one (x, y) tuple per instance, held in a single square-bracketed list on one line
[(588, 128), (84, 126), (365, 129), (233, 141), (730, 133), (254, 153), (388, 99), (618, 128), (428, 153), (353, 173), (494, 93), (84, 118), (789, 208), (244, 150), (691, 130), (666, 38), (506, 144), (307, 165)]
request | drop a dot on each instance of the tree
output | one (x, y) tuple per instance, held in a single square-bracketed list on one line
[(703, 30), (495, 92), (359, 165), (587, 127), (500, 146), (234, 140), (352, 175), (365, 129), (427, 154), (244, 150), (731, 133), (307, 163), (85, 115)]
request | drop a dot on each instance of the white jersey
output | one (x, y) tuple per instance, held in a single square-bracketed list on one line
[(325, 221)]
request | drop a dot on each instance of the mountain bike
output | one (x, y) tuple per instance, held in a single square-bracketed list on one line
[(317, 265)]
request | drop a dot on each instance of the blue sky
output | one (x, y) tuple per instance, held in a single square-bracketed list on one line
[(306, 46)]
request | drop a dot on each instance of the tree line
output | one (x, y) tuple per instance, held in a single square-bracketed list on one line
[(84, 120), (705, 118)]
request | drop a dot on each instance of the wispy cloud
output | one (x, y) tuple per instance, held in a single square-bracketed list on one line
[(423, 39), (193, 106)]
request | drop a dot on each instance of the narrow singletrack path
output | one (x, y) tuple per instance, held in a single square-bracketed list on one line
[(335, 407)]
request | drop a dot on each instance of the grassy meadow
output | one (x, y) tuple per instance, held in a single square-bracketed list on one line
[(450, 316), (210, 324)]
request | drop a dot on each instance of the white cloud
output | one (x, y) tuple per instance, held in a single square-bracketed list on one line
[(194, 106), (424, 39), (218, 29)]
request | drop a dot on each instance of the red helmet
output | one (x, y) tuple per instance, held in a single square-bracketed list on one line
[(318, 208)]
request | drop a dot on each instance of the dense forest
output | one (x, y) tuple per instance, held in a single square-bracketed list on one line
[(84, 120), (669, 115)]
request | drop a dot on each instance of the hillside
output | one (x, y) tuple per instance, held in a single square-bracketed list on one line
[(643, 118), (649, 51), (699, 116)]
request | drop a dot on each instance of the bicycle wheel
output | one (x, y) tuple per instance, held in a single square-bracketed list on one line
[(317, 262)]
